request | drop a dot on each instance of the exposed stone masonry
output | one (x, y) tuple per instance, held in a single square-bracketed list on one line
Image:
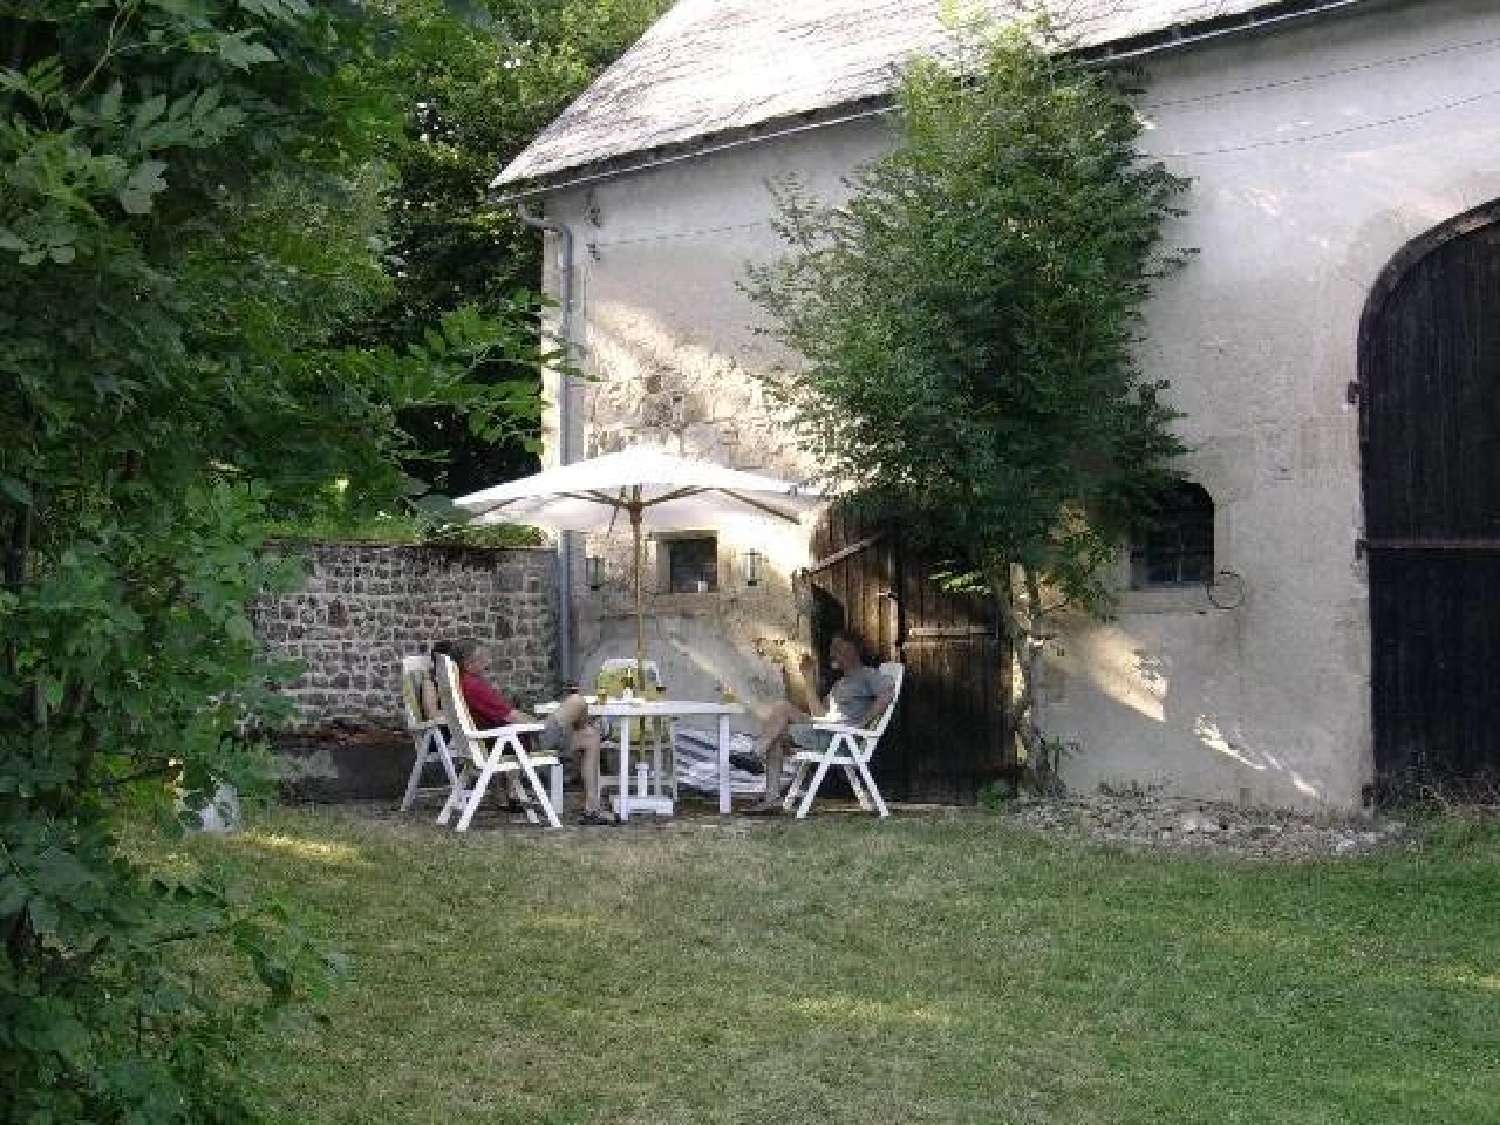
[(365, 606)]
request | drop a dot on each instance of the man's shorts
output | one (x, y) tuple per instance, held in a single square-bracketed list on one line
[(553, 739), (806, 737)]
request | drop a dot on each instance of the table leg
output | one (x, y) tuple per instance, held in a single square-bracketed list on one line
[(672, 755), (724, 803), (625, 770)]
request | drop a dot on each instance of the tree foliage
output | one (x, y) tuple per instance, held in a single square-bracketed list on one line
[(968, 322), (192, 217), (477, 82)]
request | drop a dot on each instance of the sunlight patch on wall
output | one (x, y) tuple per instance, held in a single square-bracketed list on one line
[(1299, 783), (1210, 735), (1123, 670), (1213, 736), (1302, 785)]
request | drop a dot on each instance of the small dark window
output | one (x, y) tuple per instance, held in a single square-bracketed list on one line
[(1177, 547), (692, 565)]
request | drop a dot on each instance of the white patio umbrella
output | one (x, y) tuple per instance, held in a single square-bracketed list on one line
[(656, 490)]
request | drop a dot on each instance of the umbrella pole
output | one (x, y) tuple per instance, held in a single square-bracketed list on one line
[(640, 612)]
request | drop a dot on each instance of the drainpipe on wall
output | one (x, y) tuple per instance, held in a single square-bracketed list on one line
[(564, 429)]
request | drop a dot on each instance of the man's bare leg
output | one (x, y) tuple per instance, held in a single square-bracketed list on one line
[(572, 716), (797, 686), (586, 746), (572, 712), (775, 755), (772, 749)]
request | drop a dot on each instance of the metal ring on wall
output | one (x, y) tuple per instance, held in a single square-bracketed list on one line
[(1226, 589)]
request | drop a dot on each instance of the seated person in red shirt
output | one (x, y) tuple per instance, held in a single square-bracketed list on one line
[(567, 728)]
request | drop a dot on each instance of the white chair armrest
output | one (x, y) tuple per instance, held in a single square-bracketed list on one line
[(512, 728)]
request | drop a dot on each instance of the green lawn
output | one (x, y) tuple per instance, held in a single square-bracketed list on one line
[(939, 969)]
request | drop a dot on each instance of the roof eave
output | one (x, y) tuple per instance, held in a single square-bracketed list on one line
[(1178, 37), (773, 128)]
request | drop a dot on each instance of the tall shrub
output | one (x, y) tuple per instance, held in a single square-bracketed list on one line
[(190, 216), (478, 80), (967, 324)]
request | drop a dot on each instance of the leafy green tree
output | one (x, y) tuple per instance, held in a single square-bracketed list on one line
[(477, 82), (192, 215), (967, 322)]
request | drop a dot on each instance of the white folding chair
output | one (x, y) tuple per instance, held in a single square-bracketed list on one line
[(486, 753), (428, 739), (849, 747)]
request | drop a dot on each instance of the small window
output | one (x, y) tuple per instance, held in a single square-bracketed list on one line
[(692, 564), (1177, 548)]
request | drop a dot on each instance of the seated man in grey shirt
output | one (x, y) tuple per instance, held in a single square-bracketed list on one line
[(859, 697)]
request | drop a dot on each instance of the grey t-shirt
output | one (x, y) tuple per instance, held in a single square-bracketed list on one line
[(854, 693)]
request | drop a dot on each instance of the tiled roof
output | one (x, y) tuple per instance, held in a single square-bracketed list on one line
[(710, 67)]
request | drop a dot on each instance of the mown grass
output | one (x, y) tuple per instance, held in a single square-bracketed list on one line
[(942, 969)]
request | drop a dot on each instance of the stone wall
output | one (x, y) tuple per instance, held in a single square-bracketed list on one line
[(365, 606)]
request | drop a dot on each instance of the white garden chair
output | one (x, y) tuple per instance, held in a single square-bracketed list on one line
[(427, 736), (850, 747), (486, 753)]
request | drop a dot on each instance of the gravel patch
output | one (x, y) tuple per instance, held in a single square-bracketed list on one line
[(1137, 821), (1153, 821)]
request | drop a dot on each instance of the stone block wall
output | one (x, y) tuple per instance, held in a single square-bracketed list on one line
[(365, 606)]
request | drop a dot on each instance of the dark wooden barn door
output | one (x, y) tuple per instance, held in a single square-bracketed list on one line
[(951, 732), (1431, 396)]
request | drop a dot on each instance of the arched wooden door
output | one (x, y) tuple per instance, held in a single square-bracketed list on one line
[(1430, 372), (952, 731)]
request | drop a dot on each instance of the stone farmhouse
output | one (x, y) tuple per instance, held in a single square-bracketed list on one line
[(1320, 614)]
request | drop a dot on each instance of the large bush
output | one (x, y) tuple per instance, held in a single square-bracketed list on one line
[(191, 217), (479, 79)]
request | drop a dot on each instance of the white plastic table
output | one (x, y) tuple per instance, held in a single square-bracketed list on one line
[(660, 709)]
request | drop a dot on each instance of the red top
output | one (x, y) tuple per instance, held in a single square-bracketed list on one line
[(488, 706)]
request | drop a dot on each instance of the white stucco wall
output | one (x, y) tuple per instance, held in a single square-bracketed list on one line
[(1317, 152), (668, 342)]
